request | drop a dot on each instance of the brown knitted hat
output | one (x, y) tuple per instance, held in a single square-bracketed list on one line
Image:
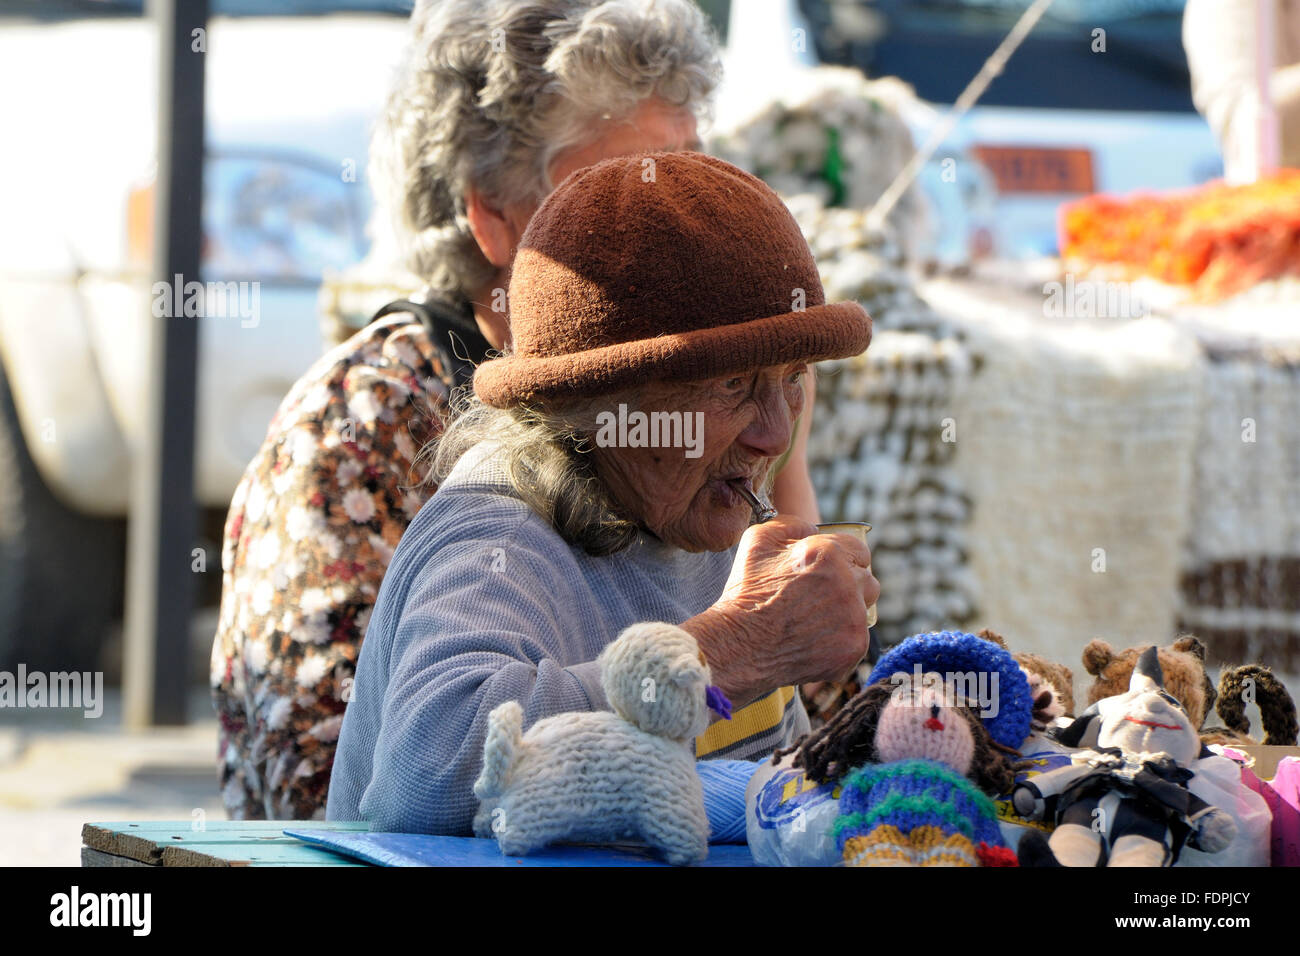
[(684, 268)]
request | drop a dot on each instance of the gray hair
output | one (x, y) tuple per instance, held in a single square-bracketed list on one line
[(546, 452), (490, 91)]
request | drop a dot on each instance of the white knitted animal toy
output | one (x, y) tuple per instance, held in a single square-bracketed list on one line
[(599, 776)]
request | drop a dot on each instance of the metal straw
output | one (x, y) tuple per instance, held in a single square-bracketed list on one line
[(763, 511)]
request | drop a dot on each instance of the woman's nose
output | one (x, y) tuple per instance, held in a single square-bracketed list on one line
[(770, 433)]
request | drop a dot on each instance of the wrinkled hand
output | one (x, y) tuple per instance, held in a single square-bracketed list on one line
[(793, 611)]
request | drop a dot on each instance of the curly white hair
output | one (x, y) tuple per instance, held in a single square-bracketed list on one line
[(489, 91)]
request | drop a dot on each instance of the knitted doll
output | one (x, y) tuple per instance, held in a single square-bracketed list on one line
[(600, 776), (1126, 802), (915, 762), (989, 678)]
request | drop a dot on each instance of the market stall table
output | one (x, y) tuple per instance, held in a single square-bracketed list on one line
[(306, 843)]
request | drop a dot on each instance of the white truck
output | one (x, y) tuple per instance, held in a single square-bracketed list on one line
[(290, 102)]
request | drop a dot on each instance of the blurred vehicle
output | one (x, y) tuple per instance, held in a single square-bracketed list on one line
[(292, 89), (1097, 99)]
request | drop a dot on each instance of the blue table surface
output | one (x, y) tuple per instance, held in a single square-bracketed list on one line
[(422, 849)]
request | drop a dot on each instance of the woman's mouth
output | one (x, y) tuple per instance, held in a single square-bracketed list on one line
[(727, 492), (741, 487)]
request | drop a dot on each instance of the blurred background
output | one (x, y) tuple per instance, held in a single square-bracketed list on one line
[(1033, 406)]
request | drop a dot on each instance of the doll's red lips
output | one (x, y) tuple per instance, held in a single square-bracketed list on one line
[(1152, 723), (933, 723)]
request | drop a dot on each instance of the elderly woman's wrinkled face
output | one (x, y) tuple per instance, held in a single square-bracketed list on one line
[(681, 494)]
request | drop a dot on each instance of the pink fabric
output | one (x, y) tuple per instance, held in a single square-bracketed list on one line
[(1282, 794), (1286, 820)]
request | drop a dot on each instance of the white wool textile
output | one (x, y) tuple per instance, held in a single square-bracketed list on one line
[(1076, 445)]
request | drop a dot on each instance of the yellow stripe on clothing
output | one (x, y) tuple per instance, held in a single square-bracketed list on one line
[(926, 845), (886, 845), (762, 715)]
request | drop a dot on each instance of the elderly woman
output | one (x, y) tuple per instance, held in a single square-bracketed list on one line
[(494, 104), (670, 283)]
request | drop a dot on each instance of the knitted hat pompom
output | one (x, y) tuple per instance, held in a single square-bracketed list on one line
[(956, 652)]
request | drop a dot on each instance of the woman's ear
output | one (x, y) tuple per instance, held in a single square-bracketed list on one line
[(496, 228)]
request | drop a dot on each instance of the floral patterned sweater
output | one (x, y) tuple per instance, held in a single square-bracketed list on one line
[(311, 530)]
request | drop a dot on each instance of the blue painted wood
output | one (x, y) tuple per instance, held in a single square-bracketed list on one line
[(218, 843), (317, 843), (422, 849), (286, 851)]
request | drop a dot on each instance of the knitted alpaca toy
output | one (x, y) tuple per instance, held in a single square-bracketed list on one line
[(1125, 802), (915, 763), (602, 776)]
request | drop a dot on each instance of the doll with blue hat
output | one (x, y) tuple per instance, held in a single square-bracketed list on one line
[(920, 752)]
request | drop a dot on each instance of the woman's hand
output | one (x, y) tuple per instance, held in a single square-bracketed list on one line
[(793, 611)]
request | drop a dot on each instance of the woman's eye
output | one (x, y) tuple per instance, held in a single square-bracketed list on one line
[(733, 384)]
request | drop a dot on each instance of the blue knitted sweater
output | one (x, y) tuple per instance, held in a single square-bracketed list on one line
[(484, 603)]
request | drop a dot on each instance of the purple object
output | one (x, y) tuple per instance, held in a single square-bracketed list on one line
[(718, 702)]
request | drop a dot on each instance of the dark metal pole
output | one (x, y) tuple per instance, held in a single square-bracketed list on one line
[(160, 582)]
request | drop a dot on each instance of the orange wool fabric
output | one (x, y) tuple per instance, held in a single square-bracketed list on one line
[(663, 266), (1217, 239)]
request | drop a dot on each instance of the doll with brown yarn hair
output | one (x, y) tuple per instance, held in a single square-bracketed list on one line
[(916, 767), (849, 741)]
